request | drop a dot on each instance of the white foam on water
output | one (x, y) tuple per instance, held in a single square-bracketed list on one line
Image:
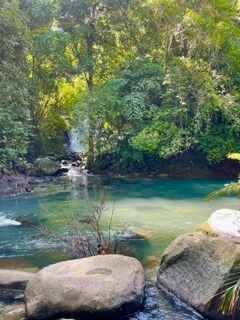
[(4, 222), (74, 173)]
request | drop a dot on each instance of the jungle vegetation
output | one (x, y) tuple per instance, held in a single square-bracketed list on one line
[(147, 77)]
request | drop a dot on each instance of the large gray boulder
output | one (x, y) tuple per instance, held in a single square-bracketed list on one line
[(13, 279), (101, 286), (46, 167), (197, 269)]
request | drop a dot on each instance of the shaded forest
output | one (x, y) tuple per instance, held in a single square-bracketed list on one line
[(144, 79)]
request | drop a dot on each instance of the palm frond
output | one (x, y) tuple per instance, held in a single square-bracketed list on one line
[(234, 156), (230, 300), (229, 188)]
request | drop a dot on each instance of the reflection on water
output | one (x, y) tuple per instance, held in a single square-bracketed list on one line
[(161, 209)]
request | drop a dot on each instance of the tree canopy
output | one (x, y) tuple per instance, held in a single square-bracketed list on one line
[(155, 77)]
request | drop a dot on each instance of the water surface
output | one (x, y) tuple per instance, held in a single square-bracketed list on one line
[(160, 209)]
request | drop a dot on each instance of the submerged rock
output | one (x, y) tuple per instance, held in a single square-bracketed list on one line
[(100, 286), (18, 263), (135, 235), (15, 311), (197, 269)]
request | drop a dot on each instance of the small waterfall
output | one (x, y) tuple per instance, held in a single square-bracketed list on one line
[(78, 138), (75, 145)]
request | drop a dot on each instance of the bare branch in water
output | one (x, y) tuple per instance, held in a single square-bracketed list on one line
[(85, 236)]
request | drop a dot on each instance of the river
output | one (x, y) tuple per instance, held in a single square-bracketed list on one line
[(159, 209)]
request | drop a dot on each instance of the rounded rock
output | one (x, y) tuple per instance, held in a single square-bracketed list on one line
[(99, 286), (198, 269)]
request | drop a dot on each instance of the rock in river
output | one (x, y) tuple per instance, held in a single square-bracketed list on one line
[(45, 167), (197, 269), (225, 221), (13, 279), (101, 286)]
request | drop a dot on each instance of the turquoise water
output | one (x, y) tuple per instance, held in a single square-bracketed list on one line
[(159, 209)]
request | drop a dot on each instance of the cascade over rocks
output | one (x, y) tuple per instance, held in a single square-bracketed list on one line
[(197, 269), (100, 286)]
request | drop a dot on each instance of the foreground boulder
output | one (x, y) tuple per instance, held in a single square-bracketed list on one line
[(197, 269), (12, 279), (94, 287)]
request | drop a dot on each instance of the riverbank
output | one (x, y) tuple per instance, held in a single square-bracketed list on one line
[(13, 183), (190, 165)]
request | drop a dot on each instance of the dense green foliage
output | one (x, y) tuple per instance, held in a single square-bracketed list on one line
[(147, 77), (14, 94)]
